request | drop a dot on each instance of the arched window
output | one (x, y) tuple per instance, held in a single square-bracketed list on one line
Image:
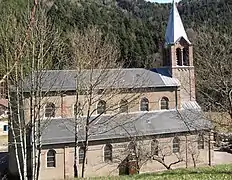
[(132, 147), (51, 158), (123, 106), (144, 104), (176, 145), (101, 107), (185, 57), (179, 57), (155, 147), (5, 128), (164, 103), (3, 89), (81, 155), (77, 109), (50, 110), (108, 153), (200, 142)]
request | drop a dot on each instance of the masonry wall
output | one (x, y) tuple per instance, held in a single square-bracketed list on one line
[(95, 165), (185, 74), (65, 103), (3, 133)]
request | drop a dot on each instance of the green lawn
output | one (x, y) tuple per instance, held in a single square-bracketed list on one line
[(221, 172)]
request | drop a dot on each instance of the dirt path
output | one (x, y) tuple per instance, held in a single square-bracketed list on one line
[(222, 158)]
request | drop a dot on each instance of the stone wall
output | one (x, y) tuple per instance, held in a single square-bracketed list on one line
[(65, 104), (95, 165)]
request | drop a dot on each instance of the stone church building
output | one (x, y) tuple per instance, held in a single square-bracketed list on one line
[(136, 117)]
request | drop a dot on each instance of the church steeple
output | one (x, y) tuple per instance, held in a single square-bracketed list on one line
[(175, 29), (178, 55)]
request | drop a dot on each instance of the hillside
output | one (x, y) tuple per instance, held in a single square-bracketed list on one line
[(139, 26)]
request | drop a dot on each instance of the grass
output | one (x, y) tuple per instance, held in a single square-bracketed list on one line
[(220, 172)]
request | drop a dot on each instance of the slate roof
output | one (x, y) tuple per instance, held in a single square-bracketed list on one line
[(58, 131), (65, 80), (175, 29)]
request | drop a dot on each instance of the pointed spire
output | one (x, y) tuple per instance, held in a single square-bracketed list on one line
[(175, 29)]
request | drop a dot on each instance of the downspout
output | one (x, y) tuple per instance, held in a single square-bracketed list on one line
[(209, 143), (64, 162), (176, 98), (210, 163), (186, 151), (190, 84), (62, 104)]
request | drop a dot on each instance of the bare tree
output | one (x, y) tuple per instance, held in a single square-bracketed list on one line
[(98, 78), (213, 69), (27, 53)]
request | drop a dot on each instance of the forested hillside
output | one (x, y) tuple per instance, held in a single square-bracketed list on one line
[(139, 27)]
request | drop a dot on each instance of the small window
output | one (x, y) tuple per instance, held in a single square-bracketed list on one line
[(132, 147), (155, 147), (51, 158), (50, 110), (108, 153), (101, 107), (200, 142), (3, 89), (123, 106), (144, 104), (164, 103), (179, 57), (81, 155), (185, 57), (77, 109), (5, 128), (176, 145)]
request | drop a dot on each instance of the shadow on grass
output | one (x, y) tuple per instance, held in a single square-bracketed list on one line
[(192, 171), (207, 172)]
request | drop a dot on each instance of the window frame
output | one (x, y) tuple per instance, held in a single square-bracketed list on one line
[(179, 57), (166, 105), (155, 147), (123, 106), (53, 156), (80, 160), (5, 130), (200, 142), (108, 153), (176, 145), (78, 109), (52, 108), (185, 56), (104, 107), (144, 102)]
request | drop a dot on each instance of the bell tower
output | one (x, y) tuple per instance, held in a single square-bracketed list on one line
[(178, 55)]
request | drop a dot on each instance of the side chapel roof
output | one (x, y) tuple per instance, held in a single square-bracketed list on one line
[(61, 130)]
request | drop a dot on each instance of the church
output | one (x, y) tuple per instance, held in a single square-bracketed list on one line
[(134, 120)]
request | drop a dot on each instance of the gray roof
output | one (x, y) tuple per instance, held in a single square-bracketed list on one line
[(175, 29), (64, 80), (125, 125)]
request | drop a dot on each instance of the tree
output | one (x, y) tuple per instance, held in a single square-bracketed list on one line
[(27, 51), (98, 80), (213, 71)]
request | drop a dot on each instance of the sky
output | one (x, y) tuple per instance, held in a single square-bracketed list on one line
[(162, 1)]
